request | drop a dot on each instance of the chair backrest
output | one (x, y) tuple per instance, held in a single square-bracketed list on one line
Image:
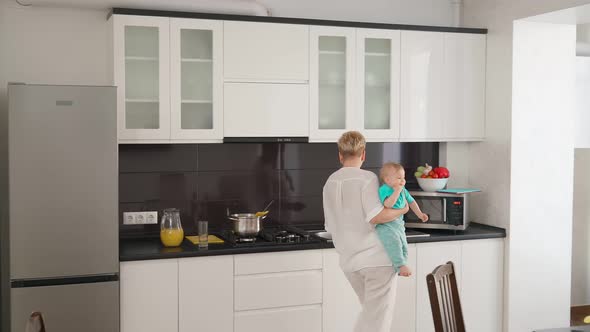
[(35, 323), (444, 299)]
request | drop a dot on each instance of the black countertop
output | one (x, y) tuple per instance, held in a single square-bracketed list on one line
[(151, 248)]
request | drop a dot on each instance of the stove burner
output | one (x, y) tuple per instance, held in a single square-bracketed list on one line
[(284, 235)]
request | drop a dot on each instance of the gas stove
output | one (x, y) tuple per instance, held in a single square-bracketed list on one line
[(278, 235)]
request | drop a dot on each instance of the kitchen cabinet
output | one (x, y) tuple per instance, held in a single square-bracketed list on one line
[(331, 84), (404, 316), (442, 86), (288, 319), (196, 81), (422, 59), (378, 84), (341, 305), (149, 296), (206, 294), (274, 290), (266, 110), (267, 52), (464, 86), (429, 256), (141, 73), (169, 77), (482, 277)]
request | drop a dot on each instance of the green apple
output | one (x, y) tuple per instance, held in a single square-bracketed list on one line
[(418, 174), (421, 169)]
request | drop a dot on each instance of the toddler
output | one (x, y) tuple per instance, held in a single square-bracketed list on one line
[(394, 195)]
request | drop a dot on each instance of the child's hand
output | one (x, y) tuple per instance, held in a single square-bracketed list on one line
[(424, 217), (405, 271)]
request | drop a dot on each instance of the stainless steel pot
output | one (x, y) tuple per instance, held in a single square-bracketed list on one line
[(246, 224)]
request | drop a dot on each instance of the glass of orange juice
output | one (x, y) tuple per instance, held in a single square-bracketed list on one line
[(171, 233)]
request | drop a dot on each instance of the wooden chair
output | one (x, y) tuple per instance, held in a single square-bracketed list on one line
[(444, 299)]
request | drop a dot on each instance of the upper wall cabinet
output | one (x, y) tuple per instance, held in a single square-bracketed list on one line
[(378, 84), (443, 86), (464, 86), (196, 84), (331, 85), (270, 52), (141, 72), (422, 59), (169, 75)]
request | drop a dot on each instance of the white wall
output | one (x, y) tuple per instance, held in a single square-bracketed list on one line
[(581, 229), (542, 147), (489, 162)]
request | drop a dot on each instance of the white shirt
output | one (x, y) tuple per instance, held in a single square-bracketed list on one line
[(351, 200)]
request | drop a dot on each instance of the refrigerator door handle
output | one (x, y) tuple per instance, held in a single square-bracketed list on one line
[(36, 322)]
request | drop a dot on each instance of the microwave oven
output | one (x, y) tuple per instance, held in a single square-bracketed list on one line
[(445, 211)]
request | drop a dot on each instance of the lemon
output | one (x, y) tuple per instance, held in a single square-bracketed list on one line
[(587, 320)]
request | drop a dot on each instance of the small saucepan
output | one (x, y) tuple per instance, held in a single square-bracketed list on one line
[(246, 224)]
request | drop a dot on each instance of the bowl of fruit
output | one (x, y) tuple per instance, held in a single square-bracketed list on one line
[(432, 179)]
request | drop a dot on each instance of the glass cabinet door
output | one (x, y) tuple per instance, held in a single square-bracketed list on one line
[(331, 82), (141, 74), (196, 79), (378, 77)]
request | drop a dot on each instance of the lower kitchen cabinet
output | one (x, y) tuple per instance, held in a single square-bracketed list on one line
[(149, 296), (431, 255), (206, 294), (341, 305), (301, 291), (482, 284), (288, 319), (404, 316)]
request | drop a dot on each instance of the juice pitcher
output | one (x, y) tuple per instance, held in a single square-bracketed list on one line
[(171, 232)]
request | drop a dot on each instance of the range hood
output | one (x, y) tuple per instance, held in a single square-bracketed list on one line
[(265, 139)]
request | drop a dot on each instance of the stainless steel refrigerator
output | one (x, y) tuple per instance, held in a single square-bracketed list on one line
[(62, 201)]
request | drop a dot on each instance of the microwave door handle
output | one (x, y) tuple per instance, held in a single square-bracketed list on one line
[(445, 210)]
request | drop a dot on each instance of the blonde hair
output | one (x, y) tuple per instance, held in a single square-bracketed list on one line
[(351, 144), (387, 167)]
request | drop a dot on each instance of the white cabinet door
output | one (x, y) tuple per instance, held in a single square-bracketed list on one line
[(464, 86), (149, 296), (422, 115), (482, 284), (256, 51), (288, 319), (331, 82), (431, 255), (341, 305), (263, 291), (266, 110), (404, 317), (378, 84), (206, 294), (141, 48), (196, 81)]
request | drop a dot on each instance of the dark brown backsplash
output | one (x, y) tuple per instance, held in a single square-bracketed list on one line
[(205, 180)]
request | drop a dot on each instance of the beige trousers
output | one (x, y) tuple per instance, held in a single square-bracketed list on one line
[(375, 288)]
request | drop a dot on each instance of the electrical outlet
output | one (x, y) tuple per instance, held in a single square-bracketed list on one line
[(140, 218), (151, 217), (129, 218)]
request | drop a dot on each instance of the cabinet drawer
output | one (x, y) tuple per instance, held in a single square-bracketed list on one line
[(265, 51), (278, 262), (266, 110), (295, 319), (277, 290)]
